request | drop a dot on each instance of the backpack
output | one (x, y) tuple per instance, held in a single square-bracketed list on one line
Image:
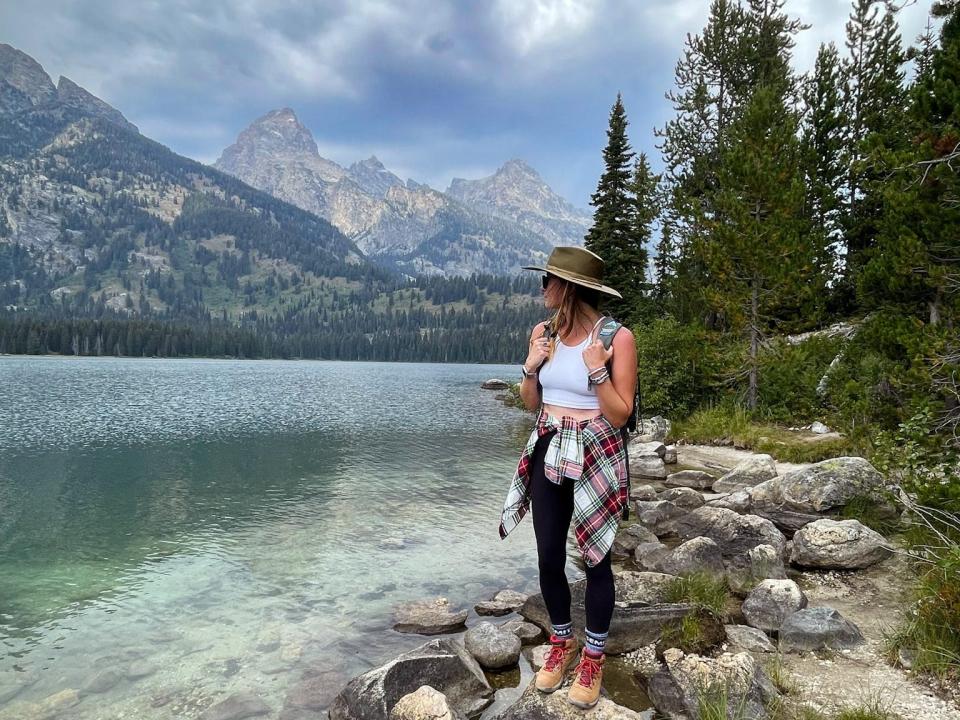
[(609, 328)]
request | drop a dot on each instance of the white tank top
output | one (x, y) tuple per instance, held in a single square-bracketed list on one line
[(564, 377)]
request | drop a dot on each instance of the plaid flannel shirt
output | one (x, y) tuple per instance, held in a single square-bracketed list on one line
[(591, 452)]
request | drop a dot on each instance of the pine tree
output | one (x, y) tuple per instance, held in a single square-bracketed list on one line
[(758, 252), (874, 101), (611, 236), (823, 154)]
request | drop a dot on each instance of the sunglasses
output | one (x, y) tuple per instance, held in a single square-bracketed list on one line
[(544, 281)]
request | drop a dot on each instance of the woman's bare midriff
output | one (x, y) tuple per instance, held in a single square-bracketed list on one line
[(576, 413)]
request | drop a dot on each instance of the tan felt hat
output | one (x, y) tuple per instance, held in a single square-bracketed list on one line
[(578, 265)]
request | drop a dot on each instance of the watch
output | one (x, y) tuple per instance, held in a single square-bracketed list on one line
[(526, 373)]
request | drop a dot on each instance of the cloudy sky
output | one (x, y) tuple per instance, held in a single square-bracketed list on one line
[(435, 88)]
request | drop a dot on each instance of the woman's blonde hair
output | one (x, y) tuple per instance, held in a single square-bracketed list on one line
[(567, 316)]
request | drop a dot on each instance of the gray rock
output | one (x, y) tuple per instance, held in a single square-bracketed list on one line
[(429, 617), (819, 428), (838, 544), (647, 555), (140, 669), (734, 533), (647, 466), (237, 707), (749, 472), (738, 501), (766, 495), (829, 484), (425, 703), (655, 428), (699, 555), (666, 695), (632, 626), (495, 384), (492, 647), (748, 638), (649, 449), (696, 479), (818, 628), (627, 539), (746, 570), (739, 678), (527, 632), (634, 589), (534, 705), (656, 514), (503, 603), (670, 455), (787, 521), (682, 497), (442, 663), (770, 602), (642, 492)]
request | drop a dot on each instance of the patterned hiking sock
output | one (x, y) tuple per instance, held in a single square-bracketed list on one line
[(596, 642), (563, 632)]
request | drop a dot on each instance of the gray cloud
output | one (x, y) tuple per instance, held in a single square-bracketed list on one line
[(434, 88)]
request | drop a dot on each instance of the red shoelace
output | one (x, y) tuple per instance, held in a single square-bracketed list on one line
[(555, 656), (587, 670)]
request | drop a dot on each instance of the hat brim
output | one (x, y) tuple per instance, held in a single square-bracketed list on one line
[(575, 280)]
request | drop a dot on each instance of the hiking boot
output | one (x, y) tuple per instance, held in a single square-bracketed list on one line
[(559, 658), (585, 691)]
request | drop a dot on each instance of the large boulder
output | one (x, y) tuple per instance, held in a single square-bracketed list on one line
[(770, 602), (442, 663), (635, 623), (738, 501), (746, 570), (535, 705), (429, 617), (647, 449), (650, 467), (699, 555), (748, 638), (491, 646), (750, 471), (648, 555), (528, 633), (494, 384), (737, 677), (425, 703), (696, 479), (818, 628), (838, 545), (734, 533), (652, 429), (829, 484)]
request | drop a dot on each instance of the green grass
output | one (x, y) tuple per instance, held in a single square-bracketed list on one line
[(871, 513), (707, 592), (710, 424)]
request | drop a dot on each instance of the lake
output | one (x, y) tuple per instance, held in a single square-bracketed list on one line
[(173, 531)]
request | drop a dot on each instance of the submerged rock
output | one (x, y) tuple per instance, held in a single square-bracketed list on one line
[(495, 384), (237, 707)]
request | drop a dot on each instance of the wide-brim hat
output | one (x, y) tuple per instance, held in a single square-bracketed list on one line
[(577, 265)]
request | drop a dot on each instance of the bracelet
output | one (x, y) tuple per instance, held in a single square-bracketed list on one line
[(600, 378), (526, 373)]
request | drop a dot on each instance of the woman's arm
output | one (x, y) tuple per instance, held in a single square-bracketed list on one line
[(616, 394), (530, 386)]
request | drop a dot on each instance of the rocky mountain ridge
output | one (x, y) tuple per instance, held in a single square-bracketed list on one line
[(492, 225)]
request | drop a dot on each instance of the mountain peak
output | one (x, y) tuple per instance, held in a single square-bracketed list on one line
[(26, 77), (69, 93), (517, 166), (279, 131), (373, 177)]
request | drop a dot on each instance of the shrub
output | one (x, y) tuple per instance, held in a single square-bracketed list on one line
[(789, 376)]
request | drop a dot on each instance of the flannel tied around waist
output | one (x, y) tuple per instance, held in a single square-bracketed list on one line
[(591, 453)]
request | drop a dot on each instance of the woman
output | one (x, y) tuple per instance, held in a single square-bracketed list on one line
[(574, 464)]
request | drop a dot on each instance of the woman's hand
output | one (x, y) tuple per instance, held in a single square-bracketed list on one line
[(596, 356), (539, 349)]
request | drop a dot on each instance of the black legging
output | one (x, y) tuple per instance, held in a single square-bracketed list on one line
[(552, 508)]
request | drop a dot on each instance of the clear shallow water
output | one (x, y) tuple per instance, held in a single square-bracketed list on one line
[(218, 526)]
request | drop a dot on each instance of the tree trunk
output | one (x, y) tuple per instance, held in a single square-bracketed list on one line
[(754, 344)]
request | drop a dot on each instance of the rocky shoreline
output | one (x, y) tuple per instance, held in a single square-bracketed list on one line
[(772, 533)]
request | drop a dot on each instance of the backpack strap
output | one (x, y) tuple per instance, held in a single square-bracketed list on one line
[(608, 328)]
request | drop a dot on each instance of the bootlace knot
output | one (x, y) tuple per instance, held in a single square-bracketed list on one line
[(555, 656), (587, 670)]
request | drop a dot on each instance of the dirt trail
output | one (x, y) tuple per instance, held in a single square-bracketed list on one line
[(873, 599)]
